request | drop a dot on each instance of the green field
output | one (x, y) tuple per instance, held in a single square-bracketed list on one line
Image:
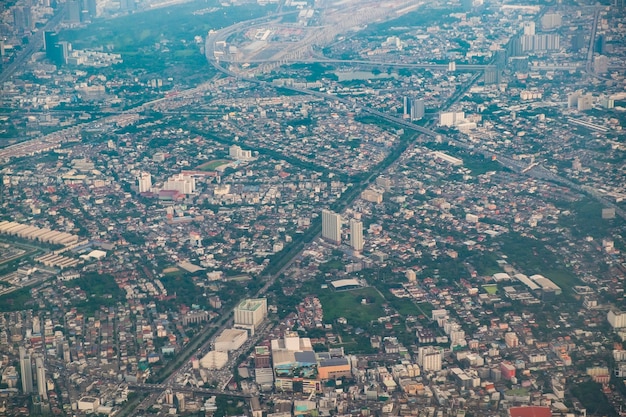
[(213, 165), (348, 304), (491, 289)]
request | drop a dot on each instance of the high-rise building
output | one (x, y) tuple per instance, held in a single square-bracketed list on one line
[(331, 226), (42, 388), (26, 369), (145, 182), (73, 11), (184, 184), (417, 109), (356, 235), (550, 21), (430, 358), (250, 313), (616, 318)]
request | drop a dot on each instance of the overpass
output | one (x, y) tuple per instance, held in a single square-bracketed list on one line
[(190, 389)]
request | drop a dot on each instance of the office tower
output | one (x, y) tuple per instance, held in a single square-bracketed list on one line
[(600, 46), (26, 370), (417, 109), (73, 11), (356, 235), (413, 108), (578, 41), (145, 182), (92, 8), (56, 51), (331, 226), (42, 389)]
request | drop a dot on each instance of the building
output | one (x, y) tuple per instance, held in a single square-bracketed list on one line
[(413, 108), (42, 389), (331, 226), (551, 21), (616, 318), (529, 28), (451, 118), (600, 64), (230, 339), (530, 411), (26, 371), (430, 358), (237, 153), (250, 313), (356, 235), (214, 360), (144, 181), (88, 404), (507, 370), (184, 184), (511, 339), (373, 196)]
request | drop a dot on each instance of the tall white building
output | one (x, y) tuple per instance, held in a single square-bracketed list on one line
[(26, 370), (616, 318), (236, 152), (184, 184), (42, 388), (331, 226), (430, 358), (145, 182), (451, 118), (250, 313), (356, 235)]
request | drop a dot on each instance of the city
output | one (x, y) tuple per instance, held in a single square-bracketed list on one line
[(312, 208)]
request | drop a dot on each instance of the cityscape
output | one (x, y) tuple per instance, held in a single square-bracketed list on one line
[(347, 208)]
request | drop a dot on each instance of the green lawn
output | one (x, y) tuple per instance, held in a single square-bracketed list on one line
[(212, 165), (348, 304), (491, 289)]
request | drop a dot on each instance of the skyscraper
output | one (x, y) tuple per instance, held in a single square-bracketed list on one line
[(26, 370), (42, 389), (356, 235), (331, 226)]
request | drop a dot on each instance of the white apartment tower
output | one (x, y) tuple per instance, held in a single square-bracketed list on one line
[(145, 182), (331, 226), (430, 358), (356, 235)]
